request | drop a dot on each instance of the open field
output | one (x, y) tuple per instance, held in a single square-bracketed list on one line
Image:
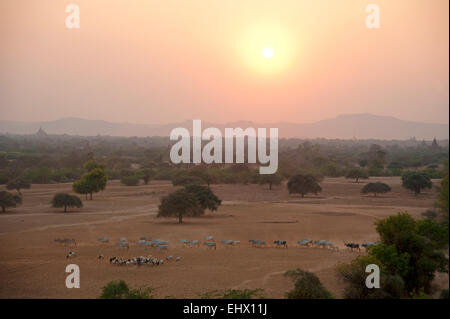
[(32, 265)]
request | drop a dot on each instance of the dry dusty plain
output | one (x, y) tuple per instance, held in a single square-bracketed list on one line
[(32, 264)]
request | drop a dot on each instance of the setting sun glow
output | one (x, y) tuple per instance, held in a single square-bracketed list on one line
[(267, 53), (267, 48)]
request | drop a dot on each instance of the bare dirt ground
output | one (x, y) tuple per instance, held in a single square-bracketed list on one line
[(32, 264)]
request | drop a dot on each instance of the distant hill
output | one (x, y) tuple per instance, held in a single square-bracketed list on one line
[(347, 126)]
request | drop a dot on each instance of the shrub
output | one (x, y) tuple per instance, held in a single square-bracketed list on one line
[(376, 188), (130, 180), (120, 290), (306, 286)]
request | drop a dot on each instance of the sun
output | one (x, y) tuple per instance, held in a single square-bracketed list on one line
[(267, 48), (268, 52)]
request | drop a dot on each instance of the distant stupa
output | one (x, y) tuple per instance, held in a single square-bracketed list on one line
[(41, 133)]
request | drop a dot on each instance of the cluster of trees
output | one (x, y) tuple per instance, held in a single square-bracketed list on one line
[(57, 159), (410, 253)]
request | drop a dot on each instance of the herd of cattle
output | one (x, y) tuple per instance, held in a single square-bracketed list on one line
[(210, 243)]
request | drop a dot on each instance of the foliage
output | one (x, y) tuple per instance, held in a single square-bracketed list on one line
[(443, 196), (303, 184), (91, 182), (131, 180), (306, 286), (179, 204), (376, 188), (9, 200), (270, 179), (120, 290), (66, 200), (146, 175), (354, 276), (205, 197), (357, 174), (416, 181), (412, 249), (18, 184), (92, 164)]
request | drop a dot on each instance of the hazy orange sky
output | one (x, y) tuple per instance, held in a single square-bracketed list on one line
[(164, 61)]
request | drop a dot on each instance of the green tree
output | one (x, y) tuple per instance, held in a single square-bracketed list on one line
[(354, 276), (270, 179), (130, 180), (443, 196), (412, 249), (303, 184), (92, 164), (357, 174), (120, 290), (179, 204), (9, 200), (306, 286), (205, 175), (375, 188), (205, 196), (66, 200), (91, 182), (147, 175), (18, 184), (416, 181)]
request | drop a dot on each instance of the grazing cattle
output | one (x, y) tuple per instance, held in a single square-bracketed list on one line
[(210, 245), (352, 246), (257, 243), (70, 254), (227, 243), (194, 243), (185, 242), (280, 243), (123, 244), (307, 242)]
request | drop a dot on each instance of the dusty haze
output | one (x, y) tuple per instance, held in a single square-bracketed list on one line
[(168, 61)]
